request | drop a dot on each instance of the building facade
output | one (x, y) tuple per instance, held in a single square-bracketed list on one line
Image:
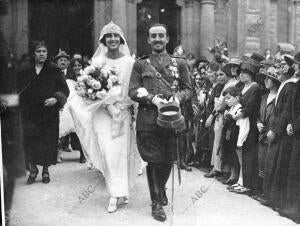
[(74, 25)]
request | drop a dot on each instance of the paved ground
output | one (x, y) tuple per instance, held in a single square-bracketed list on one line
[(61, 202)]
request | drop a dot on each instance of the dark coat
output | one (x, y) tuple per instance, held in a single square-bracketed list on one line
[(293, 182), (278, 155), (41, 123), (265, 116), (143, 75), (250, 101)]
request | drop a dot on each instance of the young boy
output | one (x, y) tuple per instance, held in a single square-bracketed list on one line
[(235, 133)]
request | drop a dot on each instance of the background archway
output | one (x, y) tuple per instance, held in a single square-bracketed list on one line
[(157, 11)]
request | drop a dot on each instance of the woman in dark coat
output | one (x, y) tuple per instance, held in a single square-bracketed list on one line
[(293, 179), (280, 144), (43, 92), (250, 100), (266, 112)]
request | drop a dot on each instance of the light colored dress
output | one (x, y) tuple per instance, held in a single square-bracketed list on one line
[(109, 144)]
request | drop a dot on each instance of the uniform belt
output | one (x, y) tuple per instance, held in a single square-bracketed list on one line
[(10, 100)]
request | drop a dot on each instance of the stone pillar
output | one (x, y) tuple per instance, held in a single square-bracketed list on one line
[(14, 26), (271, 39), (207, 27), (119, 14), (132, 25), (187, 26), (101, 9), (297, 25)]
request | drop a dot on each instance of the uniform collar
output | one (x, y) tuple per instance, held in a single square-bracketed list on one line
[(155, 58)]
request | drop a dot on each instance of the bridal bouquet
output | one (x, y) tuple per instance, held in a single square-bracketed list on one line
[(95, 83)]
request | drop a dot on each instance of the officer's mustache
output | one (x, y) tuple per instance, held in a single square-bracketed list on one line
[(157, 42)]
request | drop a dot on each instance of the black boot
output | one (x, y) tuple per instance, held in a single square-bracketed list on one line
[(158, 212), (165, 170), (33, 174)]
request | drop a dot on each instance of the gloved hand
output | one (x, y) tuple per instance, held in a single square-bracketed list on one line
[(158, 100), (174, 99)]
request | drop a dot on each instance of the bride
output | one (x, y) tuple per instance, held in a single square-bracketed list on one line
[(105, 132)]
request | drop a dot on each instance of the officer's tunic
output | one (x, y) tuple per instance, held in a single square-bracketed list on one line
[(156, 144)]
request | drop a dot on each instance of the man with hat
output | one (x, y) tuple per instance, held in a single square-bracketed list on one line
[(151, 85), (62, 60)]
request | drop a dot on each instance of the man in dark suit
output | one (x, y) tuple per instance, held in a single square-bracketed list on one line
[(150, 85), (62, 60)]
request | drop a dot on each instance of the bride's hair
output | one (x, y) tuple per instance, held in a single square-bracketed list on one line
[(104, 38)]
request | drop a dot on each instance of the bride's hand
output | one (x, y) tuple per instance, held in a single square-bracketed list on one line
[(113, 111)]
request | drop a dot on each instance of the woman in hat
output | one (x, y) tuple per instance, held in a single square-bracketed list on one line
[(110, 142), (267, 106), (250, 100), (280, 144), (228, 81), (44, 92)]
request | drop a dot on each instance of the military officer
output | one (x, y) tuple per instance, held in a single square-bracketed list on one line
[(151, 84)]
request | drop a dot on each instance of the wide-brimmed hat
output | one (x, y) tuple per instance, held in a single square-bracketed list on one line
[(273, 73), (232, 62), (291, 60), (257, 57), (250, 66), (267, 63), (203, 59), (62, 54)]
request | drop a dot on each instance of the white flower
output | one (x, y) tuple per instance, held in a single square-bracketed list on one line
[(142, 92), (89, 69), (96, 85), (90, 80), (90, 91), (109, 84), (101, 94), (113, 78)]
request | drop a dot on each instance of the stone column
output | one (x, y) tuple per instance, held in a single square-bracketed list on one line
[(187, 26), (271, 25), (101, 9), (297, 25), (207, 27), (119, 14), (14, 26), (132, 25)]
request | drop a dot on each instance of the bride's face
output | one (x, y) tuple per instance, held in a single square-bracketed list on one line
[(112, 41)]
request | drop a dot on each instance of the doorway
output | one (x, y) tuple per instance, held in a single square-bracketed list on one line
[(157, 11), (63, 24)]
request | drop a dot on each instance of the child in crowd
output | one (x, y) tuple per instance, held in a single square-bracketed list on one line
[(235, 133)]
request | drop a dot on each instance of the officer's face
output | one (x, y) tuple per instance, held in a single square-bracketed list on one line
[(158, 38), (62, 63), (40, 54), (112, 41)]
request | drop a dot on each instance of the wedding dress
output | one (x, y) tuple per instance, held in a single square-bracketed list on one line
[(109, 142)]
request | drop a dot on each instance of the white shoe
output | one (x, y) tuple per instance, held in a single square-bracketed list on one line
[(112, 206), (59, 160), (140, 172)]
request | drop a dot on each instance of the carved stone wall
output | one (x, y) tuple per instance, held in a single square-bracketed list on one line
[(14, 26)]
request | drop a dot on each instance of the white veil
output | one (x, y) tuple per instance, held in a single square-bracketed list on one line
[(100, 54)]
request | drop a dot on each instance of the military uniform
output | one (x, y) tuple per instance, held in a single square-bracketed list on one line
[(155, 143), (157, 74)]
